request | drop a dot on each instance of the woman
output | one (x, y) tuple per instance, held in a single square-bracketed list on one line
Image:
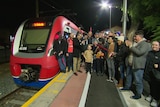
[(120, 58), (153, 63)]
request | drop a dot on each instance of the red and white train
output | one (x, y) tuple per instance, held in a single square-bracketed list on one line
[(32, 62)]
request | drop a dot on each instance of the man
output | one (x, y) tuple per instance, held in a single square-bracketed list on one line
[(110, 59), (69, 53), (140, 52), (60, 49), (77, 51), (90, 37)]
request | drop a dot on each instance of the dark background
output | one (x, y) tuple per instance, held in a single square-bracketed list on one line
[(84, 13)]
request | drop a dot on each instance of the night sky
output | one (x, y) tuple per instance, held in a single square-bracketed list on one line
[(85, 13)]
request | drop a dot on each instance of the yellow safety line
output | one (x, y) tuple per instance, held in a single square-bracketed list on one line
[(60, 80), (43, 89)]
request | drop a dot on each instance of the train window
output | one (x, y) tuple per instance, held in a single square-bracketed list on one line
[(33, 40), (67, 29)]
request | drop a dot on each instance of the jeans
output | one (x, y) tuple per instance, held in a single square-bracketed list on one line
[(70, 61), (94, 65), (138, 77), (88, 67), (122, 71), (100, 65), (62, 63), (111, 67), (129, 77)]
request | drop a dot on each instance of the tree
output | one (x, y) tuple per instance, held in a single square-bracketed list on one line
[(152, 19), (145, 12)]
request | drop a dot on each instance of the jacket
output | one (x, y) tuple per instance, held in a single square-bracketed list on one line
[(153, 57), (140, 52), (77, 48)]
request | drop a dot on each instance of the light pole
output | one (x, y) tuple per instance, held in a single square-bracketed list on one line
[(124, 16), (110, 16)]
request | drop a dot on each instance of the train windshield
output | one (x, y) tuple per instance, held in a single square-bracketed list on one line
[(34, 37), (33, 40)]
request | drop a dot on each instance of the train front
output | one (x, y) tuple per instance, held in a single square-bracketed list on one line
[(31, 61)]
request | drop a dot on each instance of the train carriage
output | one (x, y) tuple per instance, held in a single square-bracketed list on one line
[(32, 62)]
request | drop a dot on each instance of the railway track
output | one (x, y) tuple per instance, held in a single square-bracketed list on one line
[(18, 97)]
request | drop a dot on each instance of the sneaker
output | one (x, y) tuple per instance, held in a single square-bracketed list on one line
[(120, 87), (154, 103), (125, 89), (136, 97), (149, 98), (63, 71), (101, 74), (67, 69), (75, 74), (115, 81), (109, 80), (80, 71), (97, 74)]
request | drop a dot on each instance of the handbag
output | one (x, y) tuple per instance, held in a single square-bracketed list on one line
[(156, 74)]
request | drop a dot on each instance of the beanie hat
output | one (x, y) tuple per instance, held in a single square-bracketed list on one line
[(118, 33), (121, 38)]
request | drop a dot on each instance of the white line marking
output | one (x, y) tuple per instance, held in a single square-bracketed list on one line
[(85, 91)]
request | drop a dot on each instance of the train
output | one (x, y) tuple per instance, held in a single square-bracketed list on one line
[(32, 62)]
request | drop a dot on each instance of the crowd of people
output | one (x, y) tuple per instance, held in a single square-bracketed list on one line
[(124, 62)]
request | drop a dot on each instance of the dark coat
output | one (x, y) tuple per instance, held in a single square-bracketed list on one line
[(122, 53), (60, 46), (77, 48), (153, 57)]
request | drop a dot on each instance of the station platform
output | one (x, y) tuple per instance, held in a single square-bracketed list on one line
[(83, 90), (65, 90), (68, 90)]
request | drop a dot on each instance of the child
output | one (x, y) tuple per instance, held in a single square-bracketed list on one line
[(100, 62), (88, 55)]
